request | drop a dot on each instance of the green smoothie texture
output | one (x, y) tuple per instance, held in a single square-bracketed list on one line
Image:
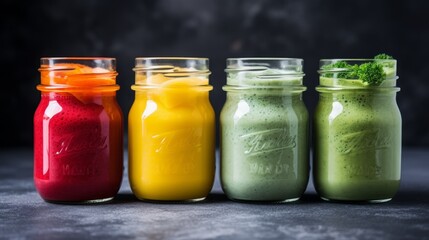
[(357, 139), (264, 145), (357, 145)]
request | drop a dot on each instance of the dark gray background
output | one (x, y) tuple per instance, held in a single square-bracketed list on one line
[(216, 29)]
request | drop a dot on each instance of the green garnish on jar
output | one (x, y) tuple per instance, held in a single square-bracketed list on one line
[(370, 73)]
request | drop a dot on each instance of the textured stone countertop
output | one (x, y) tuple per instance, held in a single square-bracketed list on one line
[(24, 215)]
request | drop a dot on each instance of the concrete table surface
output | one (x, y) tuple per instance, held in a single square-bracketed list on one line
[(24, 215)]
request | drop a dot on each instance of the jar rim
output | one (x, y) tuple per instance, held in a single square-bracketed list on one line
[(265, 58), (77, 72), (266, 62), (77, 58), (264, 71), (358, 59), (61, 63), (327, 61), (172, 65), (172, 58), (288, 66)]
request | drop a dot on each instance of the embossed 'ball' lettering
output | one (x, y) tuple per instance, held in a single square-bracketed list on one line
[(173, 140), (364, 141), (268, 141), (85, 141)]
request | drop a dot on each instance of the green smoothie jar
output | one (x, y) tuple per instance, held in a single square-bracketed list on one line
[(264, 130), (357, 131)]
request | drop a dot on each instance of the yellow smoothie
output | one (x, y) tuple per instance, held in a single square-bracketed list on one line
[(171, 138)]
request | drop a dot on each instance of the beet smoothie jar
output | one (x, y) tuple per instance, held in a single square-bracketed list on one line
[(78, 131)]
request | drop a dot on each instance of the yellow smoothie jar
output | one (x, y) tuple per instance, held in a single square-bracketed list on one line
[(171, 130)]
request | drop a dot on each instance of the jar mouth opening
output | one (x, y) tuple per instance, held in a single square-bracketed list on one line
[(169, 65), (264, 72), (172, 58), (171, 71), (107, 64), (357, 59), (78, 71), (77, 58), (281, 66), (262, 69), (259, 59), (357, 72), (387, 63)]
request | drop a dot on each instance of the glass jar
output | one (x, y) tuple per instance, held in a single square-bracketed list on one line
[(171, 130), (78, 131), (357, 134), (264, 130)]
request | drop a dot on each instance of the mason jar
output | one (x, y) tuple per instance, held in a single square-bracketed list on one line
[(171, 130), (78, 131), (357, 134), (264, 130)]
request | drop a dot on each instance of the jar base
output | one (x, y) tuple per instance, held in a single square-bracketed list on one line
[(265, 201), (93, 201), (357, 201), (172, 201)]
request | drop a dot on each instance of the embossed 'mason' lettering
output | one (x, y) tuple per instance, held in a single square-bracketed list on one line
[(363, 141), (263, 169), (178, 140), (268, 141), (69, 170)]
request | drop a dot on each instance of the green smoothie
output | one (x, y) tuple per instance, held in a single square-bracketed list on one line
[(357, 140), (264, 137)]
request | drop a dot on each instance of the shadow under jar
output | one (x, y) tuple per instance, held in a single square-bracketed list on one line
[(78, 131), (264, 130), (357, 133)]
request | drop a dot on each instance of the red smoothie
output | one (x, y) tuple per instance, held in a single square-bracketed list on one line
[(78, 146)]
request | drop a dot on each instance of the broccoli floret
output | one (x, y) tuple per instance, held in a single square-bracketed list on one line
[(371, 73), (347, 73), (339, 64), (383, 56)]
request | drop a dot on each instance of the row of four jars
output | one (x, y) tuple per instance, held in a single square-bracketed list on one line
[(78, 129)]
